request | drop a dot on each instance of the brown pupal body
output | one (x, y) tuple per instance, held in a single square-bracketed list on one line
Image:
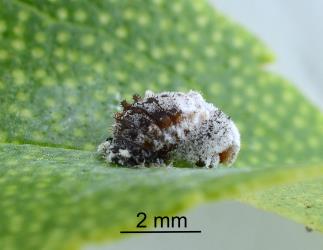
[(171, 125)]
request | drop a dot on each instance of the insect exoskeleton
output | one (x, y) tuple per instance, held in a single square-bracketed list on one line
[(168, 126)]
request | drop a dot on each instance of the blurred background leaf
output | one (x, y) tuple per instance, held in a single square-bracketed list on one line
[(64, 67)]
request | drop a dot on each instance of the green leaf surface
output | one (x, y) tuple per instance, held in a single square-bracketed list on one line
[(65, 66), (54, 198), (302, 201)]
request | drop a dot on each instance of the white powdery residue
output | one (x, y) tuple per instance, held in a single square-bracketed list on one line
[(149, 93), (172, 124), (110, 156), (104, 150), (236, 134), (168, 135), (125, 153), (103, 147), (206, 134)]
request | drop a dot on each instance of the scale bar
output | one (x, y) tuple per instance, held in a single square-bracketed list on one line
[(159, 232)]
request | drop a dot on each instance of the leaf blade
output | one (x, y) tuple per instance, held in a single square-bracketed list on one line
[(65, 66), (83, 187)]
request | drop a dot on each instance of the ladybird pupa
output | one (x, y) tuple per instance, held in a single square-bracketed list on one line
[(169, 126)]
